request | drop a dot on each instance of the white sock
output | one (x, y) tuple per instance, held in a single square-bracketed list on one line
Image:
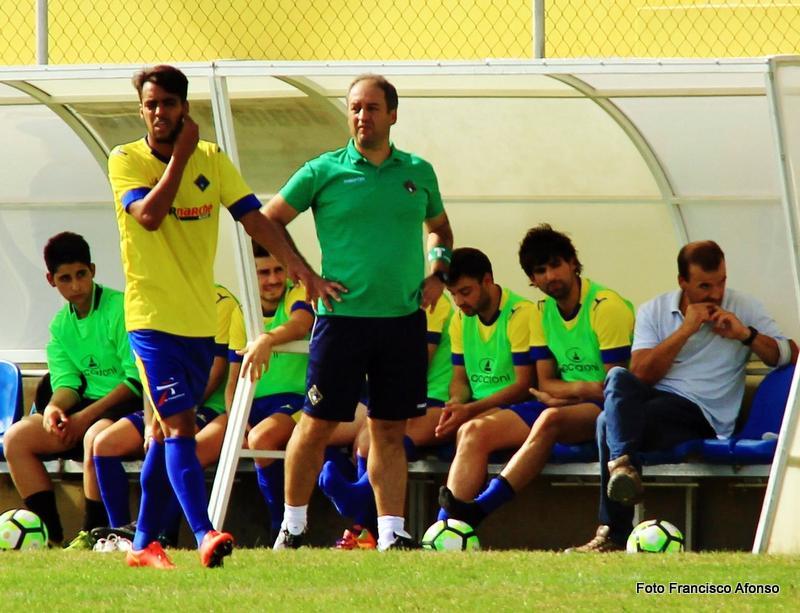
[(388, 527), (295, 518)]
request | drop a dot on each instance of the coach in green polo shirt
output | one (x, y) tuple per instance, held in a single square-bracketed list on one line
[(369, 200)]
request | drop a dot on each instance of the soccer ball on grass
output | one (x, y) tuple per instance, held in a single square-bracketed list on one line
[(22, 529), (655, 536), (450, 535)]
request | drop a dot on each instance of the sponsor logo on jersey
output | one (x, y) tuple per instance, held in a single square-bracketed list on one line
[(352, 180), (92, 368), (577, 362), (479, 378), (486, 364), (574, 354), (192, 213)]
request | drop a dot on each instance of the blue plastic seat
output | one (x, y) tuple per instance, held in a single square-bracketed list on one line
[(755, 443), (10, 397), (758, 439), (580, 452)]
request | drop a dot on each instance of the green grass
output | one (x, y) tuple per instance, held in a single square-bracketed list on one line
[(322, 580)]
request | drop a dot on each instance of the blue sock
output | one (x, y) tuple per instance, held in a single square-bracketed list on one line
[(342, 461), (188, 481), (348, 498), (361, 466), (113, 484), (155, 489), (270, 482), (442, 515), (496, 494)]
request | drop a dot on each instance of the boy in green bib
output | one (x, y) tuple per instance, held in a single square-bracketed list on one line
[(578, 333), (93, 379)]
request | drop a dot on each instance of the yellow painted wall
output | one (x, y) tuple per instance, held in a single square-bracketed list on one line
[(116, 31)]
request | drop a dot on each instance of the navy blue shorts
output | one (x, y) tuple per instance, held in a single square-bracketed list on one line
[(391, 352), (174, 369), (263, 407), (431, 403), (528, 411), (202, 418)]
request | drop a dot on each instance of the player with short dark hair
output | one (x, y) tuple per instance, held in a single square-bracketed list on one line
[(492, 370), (168, 189), (369, 201), (578, 333), (126, 438), (93, 382)]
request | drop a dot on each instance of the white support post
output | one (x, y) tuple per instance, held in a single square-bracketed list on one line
[(41, 32), (781, 462), (245, 268), (538, 29)]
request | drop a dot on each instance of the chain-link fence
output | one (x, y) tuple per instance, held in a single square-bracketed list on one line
[(114, 31), (672, 28)]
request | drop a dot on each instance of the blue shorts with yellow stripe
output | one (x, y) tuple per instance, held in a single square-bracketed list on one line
[(174, 369)]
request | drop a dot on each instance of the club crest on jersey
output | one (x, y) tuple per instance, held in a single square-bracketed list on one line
[(314, 395), (410, 187), (201, 182), (192, 213)]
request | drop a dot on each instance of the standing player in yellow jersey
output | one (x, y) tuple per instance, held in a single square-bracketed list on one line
[(168, 189), (128, 437), (578, 333)]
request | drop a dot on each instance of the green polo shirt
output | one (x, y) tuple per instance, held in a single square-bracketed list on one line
[(368, 220)]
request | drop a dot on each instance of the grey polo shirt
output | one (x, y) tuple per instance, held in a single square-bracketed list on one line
[(709, 370)]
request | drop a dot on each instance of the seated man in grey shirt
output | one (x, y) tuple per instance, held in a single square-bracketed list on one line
[(686, 379)]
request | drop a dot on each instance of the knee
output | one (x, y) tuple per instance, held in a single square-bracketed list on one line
[(262, 439), (15, 439), (548, 424), (617, 375), (472, 436), (103, 445), (313, 432), (91, 435), (386, 433)]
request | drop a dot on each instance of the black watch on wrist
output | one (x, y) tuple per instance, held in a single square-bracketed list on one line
[(753, 334), (442, 276)]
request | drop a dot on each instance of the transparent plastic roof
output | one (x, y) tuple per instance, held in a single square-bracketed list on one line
[(630, 157)]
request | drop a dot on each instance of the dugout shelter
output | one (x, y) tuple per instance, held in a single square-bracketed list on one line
[(631, 157)]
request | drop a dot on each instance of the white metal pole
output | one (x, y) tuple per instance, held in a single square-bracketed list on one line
[(538, 29), (792, 414), (245, 268), (41, 32)]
